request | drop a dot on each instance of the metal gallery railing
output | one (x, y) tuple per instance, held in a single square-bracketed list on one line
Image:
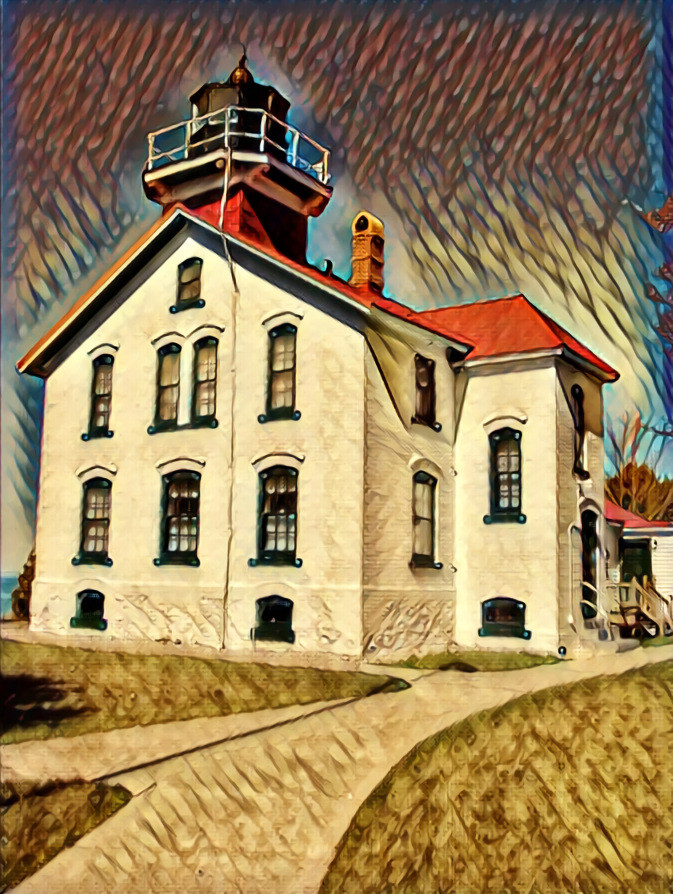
[(241, 130)]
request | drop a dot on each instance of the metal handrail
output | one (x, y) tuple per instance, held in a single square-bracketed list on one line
[(228, 116)]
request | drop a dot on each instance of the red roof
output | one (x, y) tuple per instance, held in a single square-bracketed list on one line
[(619, 516), (486, 329), (509, 326)]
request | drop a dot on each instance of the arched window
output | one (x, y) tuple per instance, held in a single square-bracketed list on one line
[(423, 520), (273, 620), (95, 525), (505, 476), (168, 387), (425, 392), (89, 610), (189, 285), (277, 523), (180, 519), (280, 397), (101, 397), (579, 451), (205, 381), (503, 617)]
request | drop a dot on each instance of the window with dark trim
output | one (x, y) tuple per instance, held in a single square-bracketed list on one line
[(95, 526), (89, 611), (189, 286), (280, 394), (277, 521), (205, 382), (101, 398), (577, 406), (168, 388), (425, 392), (180, 519), (503, 617), (273, 620), (505, 476), (423, 521)]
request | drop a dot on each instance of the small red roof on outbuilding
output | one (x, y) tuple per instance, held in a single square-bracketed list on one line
[(619, 516)]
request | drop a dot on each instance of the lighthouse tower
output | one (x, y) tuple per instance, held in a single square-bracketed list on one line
[(239, 164)]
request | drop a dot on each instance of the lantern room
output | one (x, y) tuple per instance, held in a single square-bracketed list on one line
[(238, 135)]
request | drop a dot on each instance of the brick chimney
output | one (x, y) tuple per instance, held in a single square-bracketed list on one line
[(367, 252)]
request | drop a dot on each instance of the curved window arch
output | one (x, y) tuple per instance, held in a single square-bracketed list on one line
[(277, 517), (101, 398), (180, 521), (189, 285), (505, 476), (95, 523), (204, 385), (89, 610), (273, 619), (424, 512)]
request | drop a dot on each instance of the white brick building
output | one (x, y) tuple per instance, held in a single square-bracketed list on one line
[(243, 451)]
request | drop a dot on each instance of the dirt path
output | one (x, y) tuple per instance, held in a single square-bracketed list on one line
[(263, 813)]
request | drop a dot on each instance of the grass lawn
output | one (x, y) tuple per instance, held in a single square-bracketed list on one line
[(477, 661), (36, 825), (568, 789), (62, 691)]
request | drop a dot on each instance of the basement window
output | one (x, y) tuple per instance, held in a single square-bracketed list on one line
[(189, 286), (503, 617), (89, 611), (273, 620)]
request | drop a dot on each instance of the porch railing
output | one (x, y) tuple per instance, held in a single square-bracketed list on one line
[(235, 127)]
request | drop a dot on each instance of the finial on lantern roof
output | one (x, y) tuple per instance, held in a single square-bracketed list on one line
[(241, 75)]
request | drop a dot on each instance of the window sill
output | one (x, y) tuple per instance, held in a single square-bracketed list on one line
[(275, 633), (273, 415), (424, 562), (504, 630), (177, 559), (276, 560), (91, 559), (206, 422), (504, 518), (97, 433), (435, 426), (186, 305), (88, 623)]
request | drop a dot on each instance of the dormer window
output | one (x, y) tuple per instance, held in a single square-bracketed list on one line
[(101, 398), (425, 392), (189, 286)]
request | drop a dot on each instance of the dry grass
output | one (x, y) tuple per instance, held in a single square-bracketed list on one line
[(568, 789), (37, 825), (112, 690)]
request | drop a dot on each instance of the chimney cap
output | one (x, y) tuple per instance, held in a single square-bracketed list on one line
[(366, 224)]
